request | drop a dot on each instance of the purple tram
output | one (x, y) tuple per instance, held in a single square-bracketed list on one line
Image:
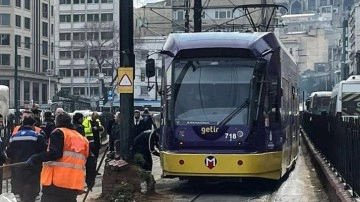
[(229, 106)]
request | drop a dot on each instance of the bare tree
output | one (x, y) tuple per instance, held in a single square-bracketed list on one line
[(101, 42)]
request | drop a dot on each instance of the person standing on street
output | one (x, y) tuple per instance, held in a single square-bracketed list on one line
[(139, 124), (78, 118), (114, 135), (93, 127), (48, 125), (25, 114), (68, 154), (149, 122), (25, 181)]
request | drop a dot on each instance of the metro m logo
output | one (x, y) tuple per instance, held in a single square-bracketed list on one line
[(210, 162)]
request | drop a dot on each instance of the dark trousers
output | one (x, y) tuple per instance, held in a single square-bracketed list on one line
[(28, 193), (58, 198), (94, 149), (112, 143)]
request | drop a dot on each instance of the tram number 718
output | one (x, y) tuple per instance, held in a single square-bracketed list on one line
[(231, 136)]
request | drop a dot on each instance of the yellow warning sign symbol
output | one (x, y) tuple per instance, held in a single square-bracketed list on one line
[(125, 80)]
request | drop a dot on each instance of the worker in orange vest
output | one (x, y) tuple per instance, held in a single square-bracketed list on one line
[(68, 154), (25, 114)]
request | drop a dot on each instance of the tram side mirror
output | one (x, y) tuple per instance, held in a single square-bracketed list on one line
[(150, 68)]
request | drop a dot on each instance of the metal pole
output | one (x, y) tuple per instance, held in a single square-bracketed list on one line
[(49, 89), (16, 90), (197, 15), (187, 20), (88, 69), (156, 85), (127, 60)]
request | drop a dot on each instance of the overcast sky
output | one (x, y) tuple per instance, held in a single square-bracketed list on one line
[(139, 3)]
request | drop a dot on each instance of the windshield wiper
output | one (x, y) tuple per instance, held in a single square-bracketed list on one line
[(235, 112)]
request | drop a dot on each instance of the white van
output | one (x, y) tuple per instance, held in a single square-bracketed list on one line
[(345, 98), (319, 102), (4, 108)]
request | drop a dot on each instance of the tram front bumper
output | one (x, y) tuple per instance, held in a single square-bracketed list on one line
[(264, 165)]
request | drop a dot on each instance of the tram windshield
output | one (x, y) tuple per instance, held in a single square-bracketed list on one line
[(207, 90)]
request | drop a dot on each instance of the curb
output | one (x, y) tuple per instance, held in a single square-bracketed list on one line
[(333, 186)]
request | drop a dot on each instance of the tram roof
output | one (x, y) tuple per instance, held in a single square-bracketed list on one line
[(182, 41)]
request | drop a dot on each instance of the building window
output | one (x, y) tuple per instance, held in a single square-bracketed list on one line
[(4, 59), (65, 1), (18, 3), (93, 36), (107, 35), (92, 1), (26, 91), (79, 17), (44, 93), (78, 54), (5, 2), (18, 40), (65, 18), (106, 1), (65, 54), (108, 71), (94, 91), (79, 36), (45, 29), (144, 90), (27, 4), (93, 17), (27, 42), (65, 36), (65, 72), (18, 21), (45, 11), (79, 1), (179, 15), (52, 11), (94, 72), (79, 72), (5, 19), (5, 82), (106, 17), (52, 64), (45, 47), (45, 65), (79, 91), (35, 92), (223, 14), (52, 29), (27, 23), (4, 39), (18, 60), (27, 62), (52, 48)]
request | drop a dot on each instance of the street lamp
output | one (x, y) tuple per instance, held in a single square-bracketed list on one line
[(101, 77), (49, 73)]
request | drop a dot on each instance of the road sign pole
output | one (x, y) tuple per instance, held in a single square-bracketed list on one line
[(127, 61)]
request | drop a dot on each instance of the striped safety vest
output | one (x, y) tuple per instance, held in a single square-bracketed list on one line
[(16, 129), (24, 135), (68, 171)]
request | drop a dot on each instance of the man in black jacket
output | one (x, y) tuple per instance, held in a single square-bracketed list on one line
[(149, 122), (114, 135), (145, 144), (25, 181), (77, 123), (53, 193), (47, 125)]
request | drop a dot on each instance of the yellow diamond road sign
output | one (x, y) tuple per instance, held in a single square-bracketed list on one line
[(125, 80)]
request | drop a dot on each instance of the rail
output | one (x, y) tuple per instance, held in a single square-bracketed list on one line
[(339, 142)]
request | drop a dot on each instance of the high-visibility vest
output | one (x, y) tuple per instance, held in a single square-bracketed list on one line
[(16, 129), (87, 128), (68, 171)]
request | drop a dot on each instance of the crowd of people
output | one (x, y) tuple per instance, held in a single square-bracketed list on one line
[(60, 152)]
